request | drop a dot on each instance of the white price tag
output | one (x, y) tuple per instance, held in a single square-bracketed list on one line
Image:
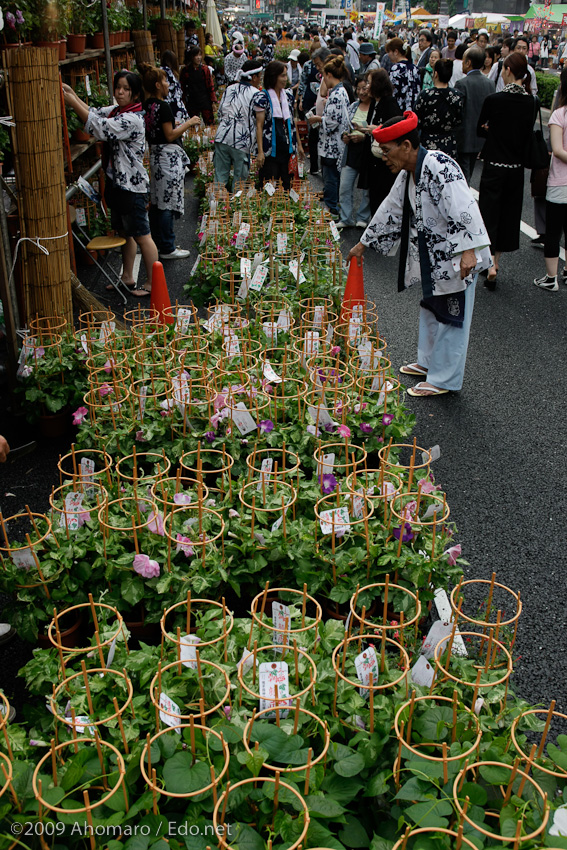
[(293, 195), (271, 331), (182, 320), (270, 188), (242, 235), (258, 258), (260, 276), (245, 267), (281, 618), (365, 664), (243, 419), (269, 373), (81, 216), (318, 315), (246, 660), (87, 467), (327, 464), (284, 319), (422, 672), (437, 632), (274, 674), (167, 704), (82, 724), (320, 416), (337, 520), (243, 289), (23, 558), (73, 507), (335, 231), (88, 85), (300, 168), (267, 466), (195, 265), (188, 648), (435, 453), (296, 271), (251, 192), (281, 240)]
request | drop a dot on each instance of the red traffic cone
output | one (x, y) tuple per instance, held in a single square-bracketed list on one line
[(160, 295), (354, 289)]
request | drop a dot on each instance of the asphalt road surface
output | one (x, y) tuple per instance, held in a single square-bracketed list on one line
[(503, 453)]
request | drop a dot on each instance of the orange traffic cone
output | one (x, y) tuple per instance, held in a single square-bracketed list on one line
[(160, 295), (354, 289)]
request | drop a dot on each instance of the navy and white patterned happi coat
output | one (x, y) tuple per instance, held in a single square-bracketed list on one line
[(126, 135), (445, 212), (236, 118)]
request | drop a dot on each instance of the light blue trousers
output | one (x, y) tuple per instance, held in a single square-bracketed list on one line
[(349, 177), (442, 349)]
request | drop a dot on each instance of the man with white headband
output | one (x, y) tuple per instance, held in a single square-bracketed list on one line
[(237, 125), (431, 214)]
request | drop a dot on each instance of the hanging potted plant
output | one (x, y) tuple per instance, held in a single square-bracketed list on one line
[(81, 21), (16, 21)]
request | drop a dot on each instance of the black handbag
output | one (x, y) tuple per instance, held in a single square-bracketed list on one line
[(537, 155)]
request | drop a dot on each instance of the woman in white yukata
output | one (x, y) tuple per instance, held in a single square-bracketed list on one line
[(432, 215), (122, 129)]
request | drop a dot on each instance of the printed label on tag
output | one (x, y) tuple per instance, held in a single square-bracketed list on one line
[(318, 315), (446, 614), (167, 704), (437, 632), (188, 648), (281, 241), (88, 85), (258, 258), (245, 267), (337, 520), (310, 343), (270, 224), (274, 675), (73, 507), (270, 188), (195, 265), (281, 618), (354, 327), (365, 664), (182, 320), (242, 235), (243, 419), (251, 192), (293, 195), (327, 464), (84, 344), (300, 168), (271, 331), (284, 319), (260, 276), (213, 206), (23, 558), (87, 467), (82, 724), (296, 271), (269, 373), (236, 218), (422, 672), (267, 466), (233, 344), (81, 216), (243, 289), (335, 231), (320, 416), (358, 507)]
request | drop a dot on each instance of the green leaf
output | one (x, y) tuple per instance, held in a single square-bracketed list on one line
[(53, 796), (354, 834), (341, 789), (432, 814), (181, 776), (416, 790), (324, 807), (378, 785), (246, 838), (559, 757), (434, 724), (476, 793), (495, 775), (351, 765)]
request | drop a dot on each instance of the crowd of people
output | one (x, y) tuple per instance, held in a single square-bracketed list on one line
[(404, 119)]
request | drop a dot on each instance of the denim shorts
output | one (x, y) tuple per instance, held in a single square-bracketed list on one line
[(136, 222)]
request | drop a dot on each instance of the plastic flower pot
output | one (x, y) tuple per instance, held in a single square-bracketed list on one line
[(54, 425), (70, 633), (76, 43)]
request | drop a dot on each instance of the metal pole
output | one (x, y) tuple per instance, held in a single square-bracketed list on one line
[(107, 57), (145, 14), (162, 9), (8, 296)]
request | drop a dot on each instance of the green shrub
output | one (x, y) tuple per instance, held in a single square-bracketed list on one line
[(546, 86)]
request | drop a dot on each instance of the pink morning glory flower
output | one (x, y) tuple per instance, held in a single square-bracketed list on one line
[(155, 524), (452, 554), (80, 415), (144, 566), (184, 545), (336, 349), (366, 428), (344, 431), (182, 499), (105, 389), (387, 419), (426, 486)]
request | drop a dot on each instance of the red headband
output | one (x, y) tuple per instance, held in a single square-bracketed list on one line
[(394, 131)]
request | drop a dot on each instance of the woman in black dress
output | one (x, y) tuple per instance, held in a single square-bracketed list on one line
[(506, 121), (374, 174), (440, 111), (197, 85)]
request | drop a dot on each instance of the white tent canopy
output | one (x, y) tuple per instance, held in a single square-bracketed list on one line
[(458, 21), (212, 24)]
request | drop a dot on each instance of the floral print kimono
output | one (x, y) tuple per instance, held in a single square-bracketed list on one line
[(126, 137), (167, 160), (406, 83), (336, 121)]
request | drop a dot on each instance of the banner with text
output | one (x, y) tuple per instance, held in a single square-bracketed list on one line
[(380, 9)]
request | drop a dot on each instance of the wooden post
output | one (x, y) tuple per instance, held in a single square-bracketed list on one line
[(35, 102)]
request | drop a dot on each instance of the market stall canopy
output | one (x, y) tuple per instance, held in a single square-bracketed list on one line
[(213, 25), (552, 13), (458, 21)]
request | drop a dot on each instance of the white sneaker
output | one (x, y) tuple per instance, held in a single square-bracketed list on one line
[(341, 225), (546, 282), (361, 223), (178, 254)]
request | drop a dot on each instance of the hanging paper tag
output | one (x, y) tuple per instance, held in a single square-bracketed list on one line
[(279, 521), (300, 168), (320, 416), (82, 724), (213, 206), (267, 466), (354, 327), (195, 265), (437, 632), (143, 395), (167, 704), (81, 216), (84, 344), (269, 373), (270, 188), (365, 664), (237, 218), (335, 231), (274, 674), (281, 618), (188, 648), (182, 320), (435, 453), (258, 258), (358, 507), (243, 234), (73, 507), (246, 661), (296, 271), (23, 558), (269, 227), (88, 85), (251, 192), (281, 240), (245, 267), (87, 467), (293, 195), (318, 315), (260, 276), (271, 331), (327, 464), (446, 613), (238, 194), (233, 344), (243, 289), (422, 673), (337, 520), (243, 419), (329, 336), (284, 319)]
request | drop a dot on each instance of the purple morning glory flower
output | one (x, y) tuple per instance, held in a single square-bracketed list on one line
[(330, 427), (19, 17), (366, 428), (10, 20), (407, 533), (266, 425), (328, 483), (387, 419), (210, 436)]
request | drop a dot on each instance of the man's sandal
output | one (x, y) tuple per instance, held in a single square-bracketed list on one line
[(413, 369), (425, 390)]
